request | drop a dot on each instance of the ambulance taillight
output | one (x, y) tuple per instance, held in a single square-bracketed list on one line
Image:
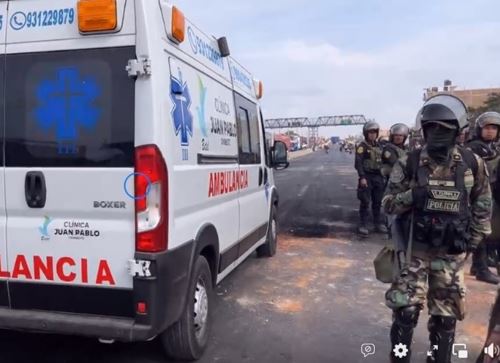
[(151, 199), (97, 15)]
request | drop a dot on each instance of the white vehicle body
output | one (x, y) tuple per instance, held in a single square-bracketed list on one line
[(77, 122)]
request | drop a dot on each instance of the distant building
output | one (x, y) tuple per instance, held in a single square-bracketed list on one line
[(471, 97), (384, 133)]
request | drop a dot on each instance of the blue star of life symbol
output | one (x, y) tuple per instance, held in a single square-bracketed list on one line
[(67, 104), (183, 120)]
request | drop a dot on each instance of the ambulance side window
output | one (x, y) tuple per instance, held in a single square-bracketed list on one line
[(267, 141), (248, 131), (244, 143)]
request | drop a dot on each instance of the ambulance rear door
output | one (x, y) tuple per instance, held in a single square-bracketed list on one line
[(69, 154)]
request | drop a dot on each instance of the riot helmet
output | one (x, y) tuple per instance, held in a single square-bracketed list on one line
[(418, 121), (485, 119), (446, 110), (370, 126), (442, 118), (399, 129)]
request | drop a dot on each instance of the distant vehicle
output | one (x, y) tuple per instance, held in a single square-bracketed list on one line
[(295, 143), (285, 139), (335, 139)]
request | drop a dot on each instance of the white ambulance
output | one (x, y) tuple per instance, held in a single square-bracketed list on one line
[(136, 175)]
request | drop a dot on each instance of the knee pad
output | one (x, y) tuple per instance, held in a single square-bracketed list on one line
[(407, 316), (442, 323)]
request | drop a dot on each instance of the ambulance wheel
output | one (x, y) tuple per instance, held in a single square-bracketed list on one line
[(188, 337), (268, 249)]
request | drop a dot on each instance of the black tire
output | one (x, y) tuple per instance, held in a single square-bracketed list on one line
[(268, 249), (184, 340)]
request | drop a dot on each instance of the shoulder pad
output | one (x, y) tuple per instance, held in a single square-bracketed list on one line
[(397, 174), (387, 154), (478, 147)]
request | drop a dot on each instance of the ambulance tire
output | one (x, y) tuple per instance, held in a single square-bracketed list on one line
[(187, 338), (268, 249)]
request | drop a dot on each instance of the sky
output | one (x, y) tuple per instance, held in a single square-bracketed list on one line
[(370, 57)]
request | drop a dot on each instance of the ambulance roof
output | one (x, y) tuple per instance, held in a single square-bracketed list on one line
[(205, 49)]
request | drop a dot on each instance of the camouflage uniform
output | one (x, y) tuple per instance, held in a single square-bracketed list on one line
[(491, 155), (436, 272), (443, 270), (435, 276)]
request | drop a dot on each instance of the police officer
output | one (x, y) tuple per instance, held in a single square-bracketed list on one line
[(368, 163), (443, 192), (395, 148), (485, 145)]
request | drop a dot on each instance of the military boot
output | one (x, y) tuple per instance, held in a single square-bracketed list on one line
[(381, 228), (363, 230), (441, 336), (404, 321), (473, 270), (480, 266), (485, 275)]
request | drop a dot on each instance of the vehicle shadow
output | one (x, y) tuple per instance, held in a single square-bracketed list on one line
[(17, 347)]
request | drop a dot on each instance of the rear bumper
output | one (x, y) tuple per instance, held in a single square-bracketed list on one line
[(88, 312), (72, 324)]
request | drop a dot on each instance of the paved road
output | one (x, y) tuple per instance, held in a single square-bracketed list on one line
[(315, 301), (318, 195)]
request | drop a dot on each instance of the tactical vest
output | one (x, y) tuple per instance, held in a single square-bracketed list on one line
[(441, 219), (372, 158)]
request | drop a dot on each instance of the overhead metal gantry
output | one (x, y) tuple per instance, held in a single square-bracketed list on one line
[(295, 122)]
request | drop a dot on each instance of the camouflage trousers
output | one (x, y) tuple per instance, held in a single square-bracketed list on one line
[(437, 278)]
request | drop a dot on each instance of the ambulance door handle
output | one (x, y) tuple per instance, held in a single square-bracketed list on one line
[(261, 176), (35, 189)]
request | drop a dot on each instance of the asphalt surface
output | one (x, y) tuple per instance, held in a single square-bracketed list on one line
[(316, 301)]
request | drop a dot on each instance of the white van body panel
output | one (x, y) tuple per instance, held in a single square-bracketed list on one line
[(74, 259)]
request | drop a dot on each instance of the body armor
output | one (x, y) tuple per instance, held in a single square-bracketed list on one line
[(442, 215), (372, 158)]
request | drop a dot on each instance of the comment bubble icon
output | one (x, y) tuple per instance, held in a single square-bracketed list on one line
[(367, 349)]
